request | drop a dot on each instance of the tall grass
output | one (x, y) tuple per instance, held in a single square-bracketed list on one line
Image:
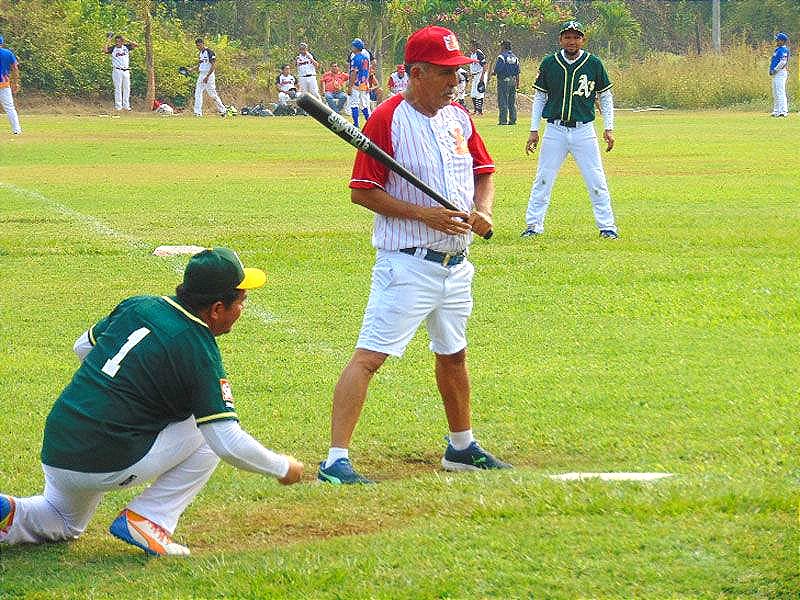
[(737, 77)]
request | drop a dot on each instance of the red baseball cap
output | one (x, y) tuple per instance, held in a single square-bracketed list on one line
[(435, 45)]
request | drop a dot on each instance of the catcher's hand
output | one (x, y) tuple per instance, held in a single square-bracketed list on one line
[(183, 71), (294, 474)]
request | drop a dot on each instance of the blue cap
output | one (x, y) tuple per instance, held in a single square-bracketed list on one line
[(357, 43), (779, 37)]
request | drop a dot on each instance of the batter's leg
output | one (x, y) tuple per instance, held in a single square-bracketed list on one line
[(350, 393), (586, 151), (551, 156), (452, 379)]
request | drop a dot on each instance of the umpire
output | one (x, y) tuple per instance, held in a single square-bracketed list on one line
[(507, 70)]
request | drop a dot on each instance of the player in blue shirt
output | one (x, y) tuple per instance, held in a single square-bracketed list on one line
[(779, 69), (359, 80), (9, 83)]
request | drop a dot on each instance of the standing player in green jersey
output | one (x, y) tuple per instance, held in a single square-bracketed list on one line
[(568, 83), (150, 401)]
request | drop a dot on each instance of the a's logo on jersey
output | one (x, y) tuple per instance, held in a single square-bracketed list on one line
[(227, 392), (585, 87), (460, 142), (450, 42)]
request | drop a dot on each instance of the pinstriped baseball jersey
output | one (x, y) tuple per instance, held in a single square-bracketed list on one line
[(445, 151), (153, 363), (305, 66), (120, 57), (582, 79)]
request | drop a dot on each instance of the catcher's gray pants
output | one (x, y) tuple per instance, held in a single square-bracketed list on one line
[(180, 461), (581, 142)]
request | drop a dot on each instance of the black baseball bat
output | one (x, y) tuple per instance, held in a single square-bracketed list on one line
[(353, 136)]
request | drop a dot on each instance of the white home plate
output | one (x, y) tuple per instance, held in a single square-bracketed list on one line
[(177, 250), (611, 476)]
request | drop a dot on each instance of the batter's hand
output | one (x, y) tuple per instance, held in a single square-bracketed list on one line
[(294, 474), (608, 136), (533, 141), (451, 222), (481, 223)]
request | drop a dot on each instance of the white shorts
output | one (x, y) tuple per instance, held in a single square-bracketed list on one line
[(406, 291), (359, 98)]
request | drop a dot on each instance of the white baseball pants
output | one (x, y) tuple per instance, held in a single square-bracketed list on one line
[(180, 461), (407, 290), (309, 85), (7, 102), (209, 88), (780, 103), (359, 98), (474, 93), (581, 142), (122, 89)]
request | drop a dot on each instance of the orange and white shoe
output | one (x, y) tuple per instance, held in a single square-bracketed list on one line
[(150, 537), (7, 509)]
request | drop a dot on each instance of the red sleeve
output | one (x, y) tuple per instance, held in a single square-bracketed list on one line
[(482, 162), (369, 173)]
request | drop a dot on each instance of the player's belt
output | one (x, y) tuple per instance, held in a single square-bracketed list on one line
[(446, 259), (122, 68), (564, 123), (309, 75)]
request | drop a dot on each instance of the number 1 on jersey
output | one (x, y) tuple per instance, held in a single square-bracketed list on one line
[(112, 364)]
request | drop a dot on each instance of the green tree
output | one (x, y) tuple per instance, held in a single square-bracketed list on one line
[(615, 26)]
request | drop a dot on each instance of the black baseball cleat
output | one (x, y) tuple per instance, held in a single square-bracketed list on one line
[(608, 234), (471, 458), (529, 232)]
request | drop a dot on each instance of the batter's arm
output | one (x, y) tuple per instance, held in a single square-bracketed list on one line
[(481, 218), (447, 221)]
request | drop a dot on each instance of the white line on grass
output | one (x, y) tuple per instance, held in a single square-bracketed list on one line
[(133, 242), (610, 476)]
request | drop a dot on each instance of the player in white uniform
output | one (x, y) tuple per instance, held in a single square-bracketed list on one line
[(287, 86), (779, 69), (479, 74), (307, 67), (121, 69), (398, 81), (421, 271), (206, 79)]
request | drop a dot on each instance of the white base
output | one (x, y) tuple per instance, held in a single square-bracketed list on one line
[(610, 476)]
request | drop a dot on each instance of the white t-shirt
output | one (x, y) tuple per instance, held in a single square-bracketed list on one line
[(304, 65), (205, 58), (286, 82), (120, 57)]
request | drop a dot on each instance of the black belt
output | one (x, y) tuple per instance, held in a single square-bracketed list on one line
[(446, 259), (309, 75), (122, 69), (564, 123)]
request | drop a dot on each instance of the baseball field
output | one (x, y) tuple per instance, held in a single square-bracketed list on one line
[(673, 349)]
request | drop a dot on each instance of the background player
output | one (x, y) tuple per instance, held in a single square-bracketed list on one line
[(779, 69), (206, 79), (359, 80), (566, 88), (398, 81), (9, 85), (307, 67), (421, 271), (150, 401), (121, 69), (477, 70)]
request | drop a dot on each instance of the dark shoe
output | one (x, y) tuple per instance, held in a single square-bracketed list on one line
[(608, 234), (472, 458), (529, 232), (340, 472)]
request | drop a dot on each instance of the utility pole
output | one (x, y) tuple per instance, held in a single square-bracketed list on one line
[(716, 38)]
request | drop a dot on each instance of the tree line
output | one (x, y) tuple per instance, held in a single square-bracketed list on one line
[(59, 42)]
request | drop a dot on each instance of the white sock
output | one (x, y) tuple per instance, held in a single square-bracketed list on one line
[(335, 454), (461, 440)]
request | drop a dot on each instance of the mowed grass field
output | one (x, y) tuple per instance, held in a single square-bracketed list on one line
[(673, 349)]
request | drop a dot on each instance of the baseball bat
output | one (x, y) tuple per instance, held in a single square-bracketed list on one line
[(353, 136)]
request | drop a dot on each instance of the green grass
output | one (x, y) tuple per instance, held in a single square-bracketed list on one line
[(673, 349)]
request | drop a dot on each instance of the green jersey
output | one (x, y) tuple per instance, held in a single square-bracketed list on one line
[(153, 363), (571, 88)]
